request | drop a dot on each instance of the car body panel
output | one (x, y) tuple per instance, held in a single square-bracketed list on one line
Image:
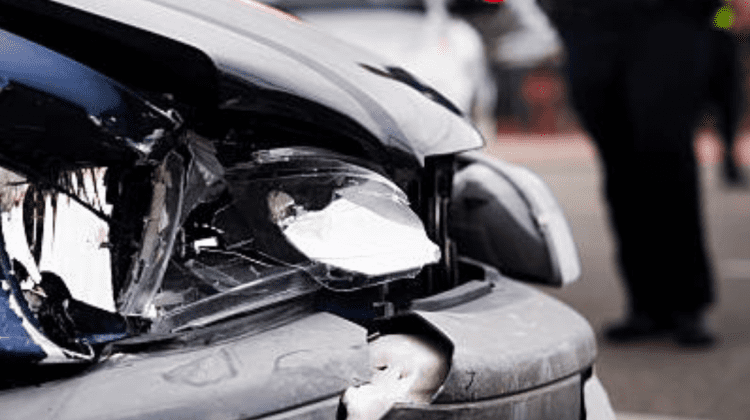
[(302, 61), (557, 401), (513, 346), (309, 360), (16, 323), (511, 340)]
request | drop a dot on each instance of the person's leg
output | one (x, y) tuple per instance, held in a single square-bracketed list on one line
[(641, 125), (599, 94), (662, 251)]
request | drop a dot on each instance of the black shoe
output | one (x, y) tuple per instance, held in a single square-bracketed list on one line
[(691, 331), (637, 327)]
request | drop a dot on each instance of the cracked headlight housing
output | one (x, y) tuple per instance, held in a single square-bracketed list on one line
[(305, 206)]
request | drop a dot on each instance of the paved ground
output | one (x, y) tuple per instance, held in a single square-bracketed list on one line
[(655, 378)]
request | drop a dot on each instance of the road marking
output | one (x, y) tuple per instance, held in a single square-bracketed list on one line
[(735, 269), (633, 416)]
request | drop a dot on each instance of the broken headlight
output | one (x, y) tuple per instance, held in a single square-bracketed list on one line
[(304, 207), (283, 224)]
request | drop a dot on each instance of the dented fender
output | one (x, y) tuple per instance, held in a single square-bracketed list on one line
[(512, 339), (510, 351)]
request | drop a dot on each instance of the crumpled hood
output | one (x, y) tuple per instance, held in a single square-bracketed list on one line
[(266, 48)]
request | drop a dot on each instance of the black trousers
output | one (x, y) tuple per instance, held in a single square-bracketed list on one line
[(637, 86)]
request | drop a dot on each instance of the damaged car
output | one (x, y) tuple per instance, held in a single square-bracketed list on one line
[(212, 210)]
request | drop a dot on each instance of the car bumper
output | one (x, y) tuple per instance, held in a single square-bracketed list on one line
[(517, 353), (565, 399)]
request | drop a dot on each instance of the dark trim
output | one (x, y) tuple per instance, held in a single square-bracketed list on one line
[(138, 58)]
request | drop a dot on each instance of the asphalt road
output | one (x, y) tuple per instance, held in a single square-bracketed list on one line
[(655, 378)]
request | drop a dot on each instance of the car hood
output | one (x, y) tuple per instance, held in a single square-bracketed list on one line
[(264, 47), (447, 53)]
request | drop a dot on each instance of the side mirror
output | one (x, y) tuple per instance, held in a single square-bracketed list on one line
[(506, 216)]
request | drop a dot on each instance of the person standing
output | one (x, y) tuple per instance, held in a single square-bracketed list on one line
[(637, 82)]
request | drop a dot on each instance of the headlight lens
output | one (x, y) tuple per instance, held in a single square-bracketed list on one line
[(331, 212)]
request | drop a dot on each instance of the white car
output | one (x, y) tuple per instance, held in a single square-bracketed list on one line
[(443, 51)]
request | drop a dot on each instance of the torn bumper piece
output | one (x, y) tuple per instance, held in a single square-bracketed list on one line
[(518, 354), (510, 340)]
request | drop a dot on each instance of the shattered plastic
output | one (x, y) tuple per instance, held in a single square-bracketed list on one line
[(332, 212), (365, 227), (162, 223), (215, 242), (219, 242)]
